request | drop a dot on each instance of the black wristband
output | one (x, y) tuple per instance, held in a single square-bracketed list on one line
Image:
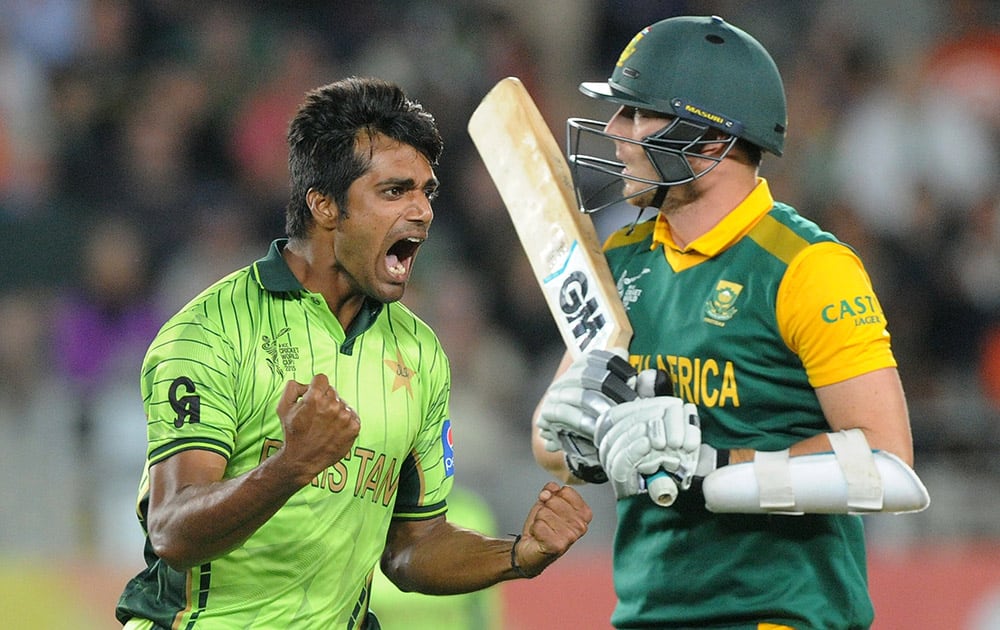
[(721, 458), (513, 558)]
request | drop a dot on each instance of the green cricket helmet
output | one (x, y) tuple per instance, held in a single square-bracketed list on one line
[(704, 73)]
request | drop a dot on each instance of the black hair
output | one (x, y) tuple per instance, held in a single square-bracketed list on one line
[(324, 134)]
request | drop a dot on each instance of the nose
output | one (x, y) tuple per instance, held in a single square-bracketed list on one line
[(420, 210), (619, 124)]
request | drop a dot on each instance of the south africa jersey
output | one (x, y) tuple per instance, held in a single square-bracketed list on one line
[(748, 319), (212, 380)]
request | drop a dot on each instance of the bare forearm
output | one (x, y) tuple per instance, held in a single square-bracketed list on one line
[(452, 561), (203, 521)]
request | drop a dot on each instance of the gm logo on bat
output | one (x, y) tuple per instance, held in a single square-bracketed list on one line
[(578, 305)]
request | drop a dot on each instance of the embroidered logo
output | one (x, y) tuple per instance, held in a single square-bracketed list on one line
[(281, 356), (184, 401), (630, 294), (403, 374), (630, 49), (721, 307)]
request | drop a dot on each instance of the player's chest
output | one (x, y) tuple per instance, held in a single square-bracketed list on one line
[(721, 306), (375, 376)]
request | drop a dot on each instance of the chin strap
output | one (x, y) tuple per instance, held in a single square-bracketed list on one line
[(661, 194)]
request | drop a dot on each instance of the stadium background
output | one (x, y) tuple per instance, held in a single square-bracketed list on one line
[(142, 156)]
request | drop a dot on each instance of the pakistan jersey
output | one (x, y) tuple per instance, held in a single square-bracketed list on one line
[(212, 380), (748, 319)]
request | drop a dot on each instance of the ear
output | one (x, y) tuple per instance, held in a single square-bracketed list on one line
[(716, 146), (325, 212)]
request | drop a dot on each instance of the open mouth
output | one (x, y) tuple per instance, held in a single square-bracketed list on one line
[(399, 258)]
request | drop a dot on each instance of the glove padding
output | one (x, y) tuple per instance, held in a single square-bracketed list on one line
[(638, 438), (595, 382)]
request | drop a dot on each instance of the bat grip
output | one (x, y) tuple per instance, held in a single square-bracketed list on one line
[(662, 488)]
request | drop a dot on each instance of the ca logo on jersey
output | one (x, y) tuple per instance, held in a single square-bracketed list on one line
[(183, 400), (721, 306)]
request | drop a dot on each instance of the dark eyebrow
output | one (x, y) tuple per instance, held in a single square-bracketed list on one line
[(409, 183)]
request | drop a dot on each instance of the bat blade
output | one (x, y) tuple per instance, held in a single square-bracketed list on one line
[(528, 169)]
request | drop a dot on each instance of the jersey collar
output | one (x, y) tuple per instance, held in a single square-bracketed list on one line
[(273, 274), (730, 229), (272, 271)]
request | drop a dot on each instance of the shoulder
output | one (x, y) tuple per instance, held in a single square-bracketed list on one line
[(404, 321), (227, 303), (784, 233), (413, 335)]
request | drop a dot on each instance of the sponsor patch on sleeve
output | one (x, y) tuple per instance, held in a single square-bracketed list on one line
[(448, 445)]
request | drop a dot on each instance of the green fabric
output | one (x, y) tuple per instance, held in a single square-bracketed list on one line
[(212, 380), (713, 327)]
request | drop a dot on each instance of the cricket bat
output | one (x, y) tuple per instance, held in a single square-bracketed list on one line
[(530, 172)]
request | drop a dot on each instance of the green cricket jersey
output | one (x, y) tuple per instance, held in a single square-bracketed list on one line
[(747, 319), (212, 380)]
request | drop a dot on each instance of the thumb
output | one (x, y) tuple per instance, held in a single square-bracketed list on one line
[(293, 391)]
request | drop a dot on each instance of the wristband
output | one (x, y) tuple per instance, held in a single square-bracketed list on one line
[(513, 559)]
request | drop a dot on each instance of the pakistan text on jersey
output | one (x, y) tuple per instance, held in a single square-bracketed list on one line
[(704, 382), (375, 476)]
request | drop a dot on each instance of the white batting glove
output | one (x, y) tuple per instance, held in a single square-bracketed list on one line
[(595, 382), (639, 438)]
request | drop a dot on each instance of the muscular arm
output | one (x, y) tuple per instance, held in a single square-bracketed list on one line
[(195, 514), (873, 402), (440, 558)]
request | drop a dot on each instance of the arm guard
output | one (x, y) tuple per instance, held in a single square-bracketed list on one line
[(851, 479)]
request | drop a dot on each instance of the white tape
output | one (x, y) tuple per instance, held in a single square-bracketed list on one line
[(864, 484), (774, 479)]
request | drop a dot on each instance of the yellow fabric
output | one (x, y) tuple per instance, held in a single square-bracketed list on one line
[(826, 291), (730, 229), (828, 314)]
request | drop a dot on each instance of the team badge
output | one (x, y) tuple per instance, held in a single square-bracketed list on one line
[(630, 49), (721, 307), (404, 375)]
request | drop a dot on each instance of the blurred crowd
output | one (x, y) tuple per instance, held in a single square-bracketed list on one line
[(142, 156)]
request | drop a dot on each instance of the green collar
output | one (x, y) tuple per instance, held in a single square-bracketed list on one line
[(272, 271), (274, 276)]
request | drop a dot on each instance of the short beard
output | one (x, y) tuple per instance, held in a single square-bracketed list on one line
[(677, 197)]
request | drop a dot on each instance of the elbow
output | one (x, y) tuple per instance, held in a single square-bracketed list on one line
[(393, 567), (171, 550)]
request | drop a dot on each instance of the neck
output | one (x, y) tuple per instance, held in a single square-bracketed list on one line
[(695, 208), (315, 266)]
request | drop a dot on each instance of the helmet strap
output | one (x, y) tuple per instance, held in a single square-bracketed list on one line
[(660, 196)]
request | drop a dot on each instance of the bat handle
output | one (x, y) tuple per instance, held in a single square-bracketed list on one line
[(662, 488)]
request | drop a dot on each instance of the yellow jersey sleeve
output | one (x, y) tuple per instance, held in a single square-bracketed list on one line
[(829, 316)]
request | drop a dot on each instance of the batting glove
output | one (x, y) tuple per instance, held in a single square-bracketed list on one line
[(642, 437), (595, 382)]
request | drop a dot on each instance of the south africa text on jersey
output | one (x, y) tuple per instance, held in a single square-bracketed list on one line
[(377, 475), (703, 381)]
